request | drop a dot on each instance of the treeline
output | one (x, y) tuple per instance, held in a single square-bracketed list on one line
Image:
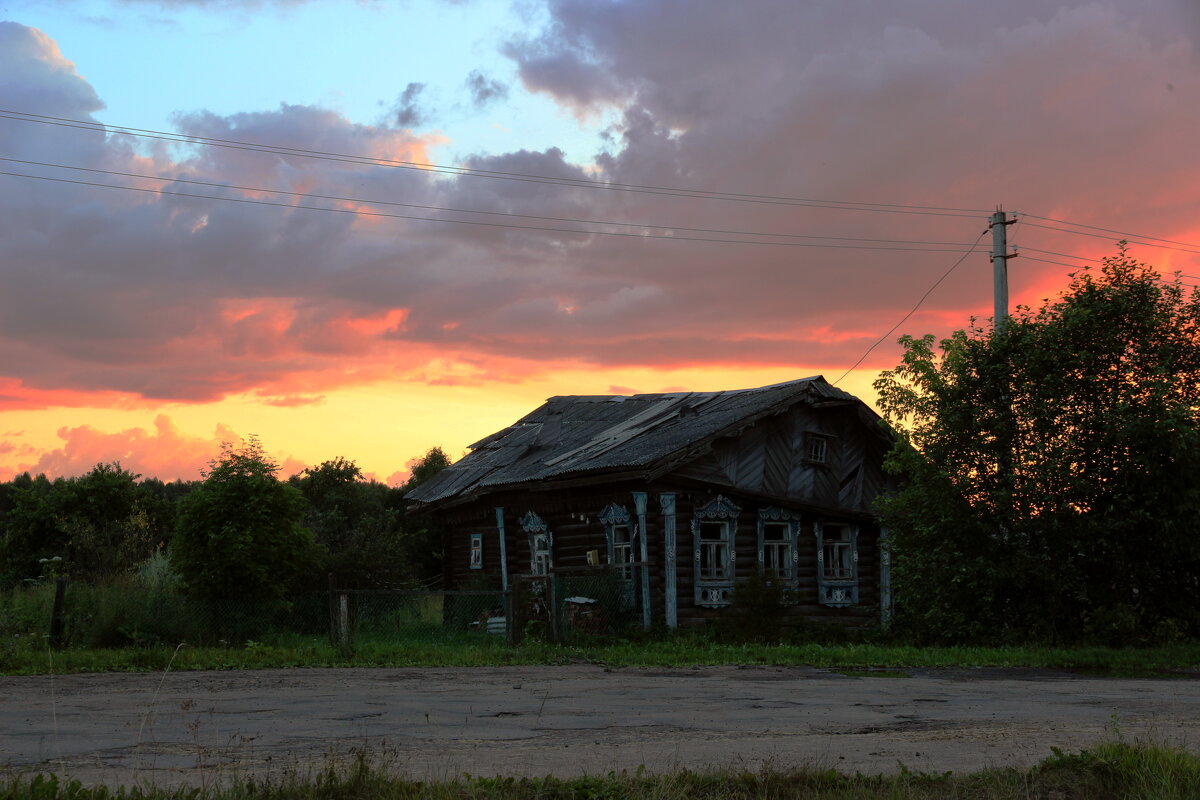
[(219, 532)]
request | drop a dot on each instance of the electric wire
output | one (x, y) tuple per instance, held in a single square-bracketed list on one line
[(338, 198), (1110, 230), (844, 205), (543, 228), (1183, 249), (913, 310)]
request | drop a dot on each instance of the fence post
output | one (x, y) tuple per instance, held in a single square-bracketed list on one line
[(344, 620), (554, 623), (509, 605), (56, 615), (333, 615)]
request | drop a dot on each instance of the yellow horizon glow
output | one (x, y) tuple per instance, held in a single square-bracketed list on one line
[(381, 426)]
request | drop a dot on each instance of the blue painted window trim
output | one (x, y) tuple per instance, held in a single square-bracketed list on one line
[(830, 591), (535, 528), (476, 556), (613, 517), (716, 593), (791, 520)]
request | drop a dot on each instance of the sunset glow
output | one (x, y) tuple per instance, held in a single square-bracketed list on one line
[(784, 183)]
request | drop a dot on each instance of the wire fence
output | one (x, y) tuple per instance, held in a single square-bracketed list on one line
[(566, 606)]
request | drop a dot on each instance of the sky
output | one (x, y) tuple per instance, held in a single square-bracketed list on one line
[(365, 229)]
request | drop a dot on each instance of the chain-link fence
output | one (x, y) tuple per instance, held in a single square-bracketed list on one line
[(566, 606), (428, 617)]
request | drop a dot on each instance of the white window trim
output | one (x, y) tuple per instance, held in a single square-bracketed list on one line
[(476, 556), (710, 592), (837, 592), (791, 520), (535, 528)]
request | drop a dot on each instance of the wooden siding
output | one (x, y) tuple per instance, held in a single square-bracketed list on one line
[(764, 465)]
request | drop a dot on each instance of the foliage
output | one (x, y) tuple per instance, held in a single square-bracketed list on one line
[(1107, 771), (1047, 469), (96, 525), (356, 524), (239, 533), (757, 610), (422, 543)]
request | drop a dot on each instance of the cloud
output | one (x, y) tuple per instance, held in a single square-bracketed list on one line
[(484, 90), (406, 114), (1059, 109), (163, 452)]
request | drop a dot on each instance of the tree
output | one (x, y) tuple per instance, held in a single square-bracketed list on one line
[(1047, 470), (352, 522), (422, 539), (239, 533), (98, 524)]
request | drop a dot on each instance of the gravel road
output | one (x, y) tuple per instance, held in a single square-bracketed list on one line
[(200, 727)]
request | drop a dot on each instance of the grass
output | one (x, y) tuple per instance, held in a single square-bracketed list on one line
[(28, 656), (1108, 771)]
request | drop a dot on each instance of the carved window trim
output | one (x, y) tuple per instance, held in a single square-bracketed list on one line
[(476, 553), (541, 544), (620, 531), (719, 515), (789, 521), (837, 584)]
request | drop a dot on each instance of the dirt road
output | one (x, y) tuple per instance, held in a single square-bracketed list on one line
[(198, 727)]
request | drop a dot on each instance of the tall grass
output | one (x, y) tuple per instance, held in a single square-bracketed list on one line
[(1107, 772)]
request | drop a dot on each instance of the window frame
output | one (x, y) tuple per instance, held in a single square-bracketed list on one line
[(537, 531), (475, 557), (715, 591), (837, 589), (615, 518), (790, 522), (811, 440)]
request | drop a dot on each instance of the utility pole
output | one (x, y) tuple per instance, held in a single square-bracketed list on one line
[(999, 223)]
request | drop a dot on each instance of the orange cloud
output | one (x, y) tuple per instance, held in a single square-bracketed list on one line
[(164, 452)]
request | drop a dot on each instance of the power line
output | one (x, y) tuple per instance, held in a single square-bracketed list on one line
[(359, 212), (912, 311), (338, 198), (844, 205), (1110, 230), (1102, 236)]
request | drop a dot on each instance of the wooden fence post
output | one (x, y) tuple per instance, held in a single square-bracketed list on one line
[(56, 615)]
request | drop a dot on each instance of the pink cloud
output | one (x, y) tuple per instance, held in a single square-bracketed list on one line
[(1075, 109), (163, 452)]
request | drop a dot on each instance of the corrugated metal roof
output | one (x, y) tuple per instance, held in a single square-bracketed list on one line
[(597, 433)]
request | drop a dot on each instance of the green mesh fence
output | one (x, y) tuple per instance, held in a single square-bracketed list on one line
[(130, 615), (598, 603), (424, 617)]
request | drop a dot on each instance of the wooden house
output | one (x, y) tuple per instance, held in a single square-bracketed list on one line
[(683, 494)]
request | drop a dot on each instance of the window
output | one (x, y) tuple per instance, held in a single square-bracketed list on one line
[(541, 542), (714, 551), (714, 526), (777, 531), (816, 448), (837, 563), (620, 535), (476, 551), (838, 555)]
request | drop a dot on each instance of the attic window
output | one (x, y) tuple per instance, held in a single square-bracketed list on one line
[(816, 448)]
